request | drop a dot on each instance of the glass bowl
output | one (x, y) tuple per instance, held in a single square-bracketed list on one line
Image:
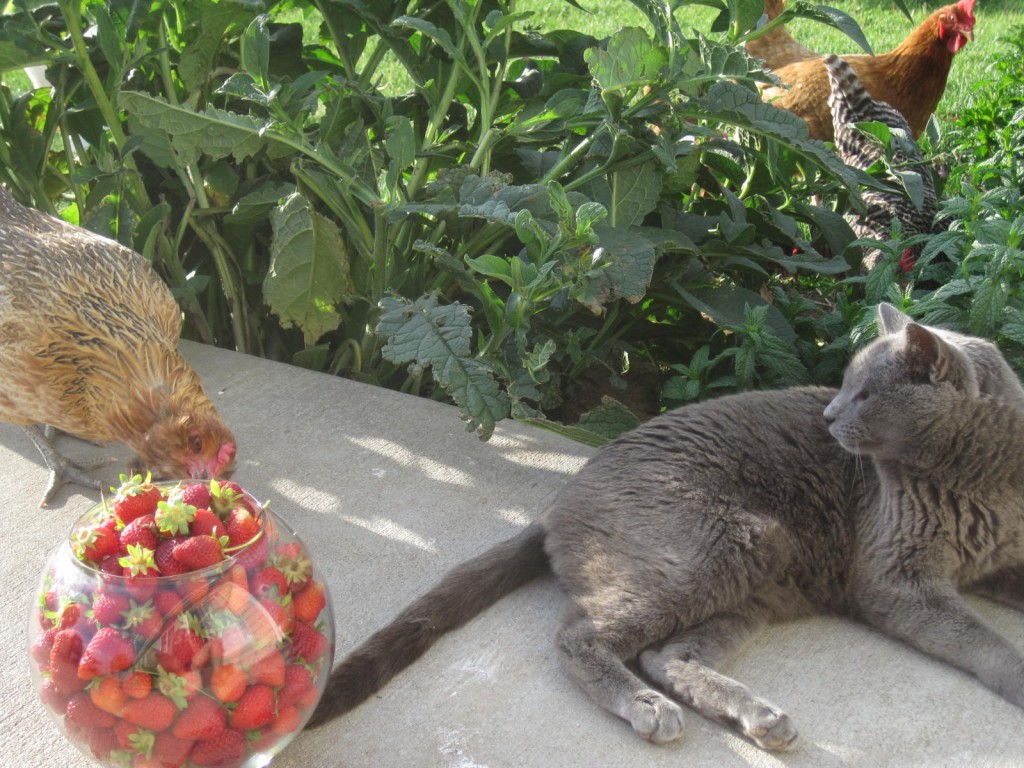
[(144, 662)]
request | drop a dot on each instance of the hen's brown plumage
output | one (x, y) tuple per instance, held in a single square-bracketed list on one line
[(911, 77), (88, 345)]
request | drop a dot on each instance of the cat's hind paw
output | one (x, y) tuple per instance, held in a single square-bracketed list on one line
[(769, 729), (655, 717)]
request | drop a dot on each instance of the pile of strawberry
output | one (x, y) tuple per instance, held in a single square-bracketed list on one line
[(194, 635)]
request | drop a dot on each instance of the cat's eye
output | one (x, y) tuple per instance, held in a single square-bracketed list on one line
[(861, 396)]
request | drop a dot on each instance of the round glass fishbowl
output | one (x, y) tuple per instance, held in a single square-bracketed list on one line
[(181, 624)]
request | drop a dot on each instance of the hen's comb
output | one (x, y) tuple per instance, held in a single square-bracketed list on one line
[(967, 6)]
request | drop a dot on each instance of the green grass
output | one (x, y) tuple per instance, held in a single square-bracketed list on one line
[(883, 23)]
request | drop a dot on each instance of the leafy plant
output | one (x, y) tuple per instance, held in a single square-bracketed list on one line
[(535, 222)]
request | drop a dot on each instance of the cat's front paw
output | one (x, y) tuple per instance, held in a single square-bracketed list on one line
[(655, 717), (769, 728)]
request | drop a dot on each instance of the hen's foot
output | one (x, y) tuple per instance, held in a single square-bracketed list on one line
[(62, 469)]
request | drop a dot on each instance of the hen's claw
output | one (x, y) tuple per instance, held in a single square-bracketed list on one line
[(62, 469)]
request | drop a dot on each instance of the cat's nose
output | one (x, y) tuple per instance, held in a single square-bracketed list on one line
[(830, 413)]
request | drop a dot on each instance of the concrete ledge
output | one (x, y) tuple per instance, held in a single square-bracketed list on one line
[(389, 491)]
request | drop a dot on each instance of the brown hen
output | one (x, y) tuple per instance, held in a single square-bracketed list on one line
[(88, 345), (911, 77)]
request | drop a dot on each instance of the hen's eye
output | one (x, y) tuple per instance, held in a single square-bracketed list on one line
[(196, 443)]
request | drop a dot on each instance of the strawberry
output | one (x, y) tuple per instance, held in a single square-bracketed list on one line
[(177, 647), (40, 650), (296, 566), (111, 565), (241, 526), (154, 712), (68, 616), (137, 684), (52, 697), (193, 589), (174, 517), (307, 644), (269, 670), (224, 496), (109, 651), (268, 582), (93, 543), (207, 523), (127, 734), (108, 694), (135, 497), (198, 495), (281, 611), (254, 709), (254, 555), (179, 688), (170, 751), (298, 681), (287, 721), (144, 620), (141, 531), (164, 558), (138, 561), (109, 608), (309, 602), (199, 552), (65, 654), (228, 682), (228, 749), (102, 742), (81, 711), (203, 719)]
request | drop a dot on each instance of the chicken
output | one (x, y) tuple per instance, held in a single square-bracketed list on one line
[(849, 103), (911, 77), (88, 345)]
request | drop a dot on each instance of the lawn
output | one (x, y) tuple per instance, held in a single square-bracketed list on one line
[(883, 23)]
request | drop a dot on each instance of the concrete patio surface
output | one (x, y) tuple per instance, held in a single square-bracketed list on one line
[(389, 491)]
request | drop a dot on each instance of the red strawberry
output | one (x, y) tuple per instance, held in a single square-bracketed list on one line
[(198, 495), (174, 517), (199, 552), (206, 523), (287, 720), (109, 608), (40, 650), (93, 543), (81, 711), (164, 558), (111, 565), (52, 697), (179, 688), (254, 708), (127, 734), (254, 555), (225, 750), (154, 712), (170, 751), (136, 496), (241, 526), (141, 531), (309, 602), (269, 670), (178, 646), (102, 742), (298, 681), (64, 657), (307, 644), (203, 719), (296, 566), (137, 684), (138, 561), (280, 611), (144, 620), (68, 616), (268, 582), (109, 651), (108, 694), (228, 682)]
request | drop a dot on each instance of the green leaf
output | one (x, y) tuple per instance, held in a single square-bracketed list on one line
[(214, 20), (255, 46), (610, 419), (623, 270), (727, 306), (425, 334), (174, 135), (309, 272), (630, 193), (630, 60)]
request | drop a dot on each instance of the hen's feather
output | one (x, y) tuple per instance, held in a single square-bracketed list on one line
[(911, 77), (88, 344), (851, 104)]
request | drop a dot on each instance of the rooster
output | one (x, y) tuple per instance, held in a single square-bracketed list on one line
[(850, 103), (88, 346), (911, 77)]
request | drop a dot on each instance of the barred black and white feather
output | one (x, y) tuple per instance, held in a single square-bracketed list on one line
[(851, 104)]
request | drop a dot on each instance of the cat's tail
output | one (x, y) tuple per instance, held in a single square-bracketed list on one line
[(467, 590)]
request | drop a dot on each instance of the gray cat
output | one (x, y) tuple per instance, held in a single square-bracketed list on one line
[(678, 540)]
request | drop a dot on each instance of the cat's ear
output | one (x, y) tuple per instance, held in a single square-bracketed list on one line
[(891, 320), (932, 358)]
